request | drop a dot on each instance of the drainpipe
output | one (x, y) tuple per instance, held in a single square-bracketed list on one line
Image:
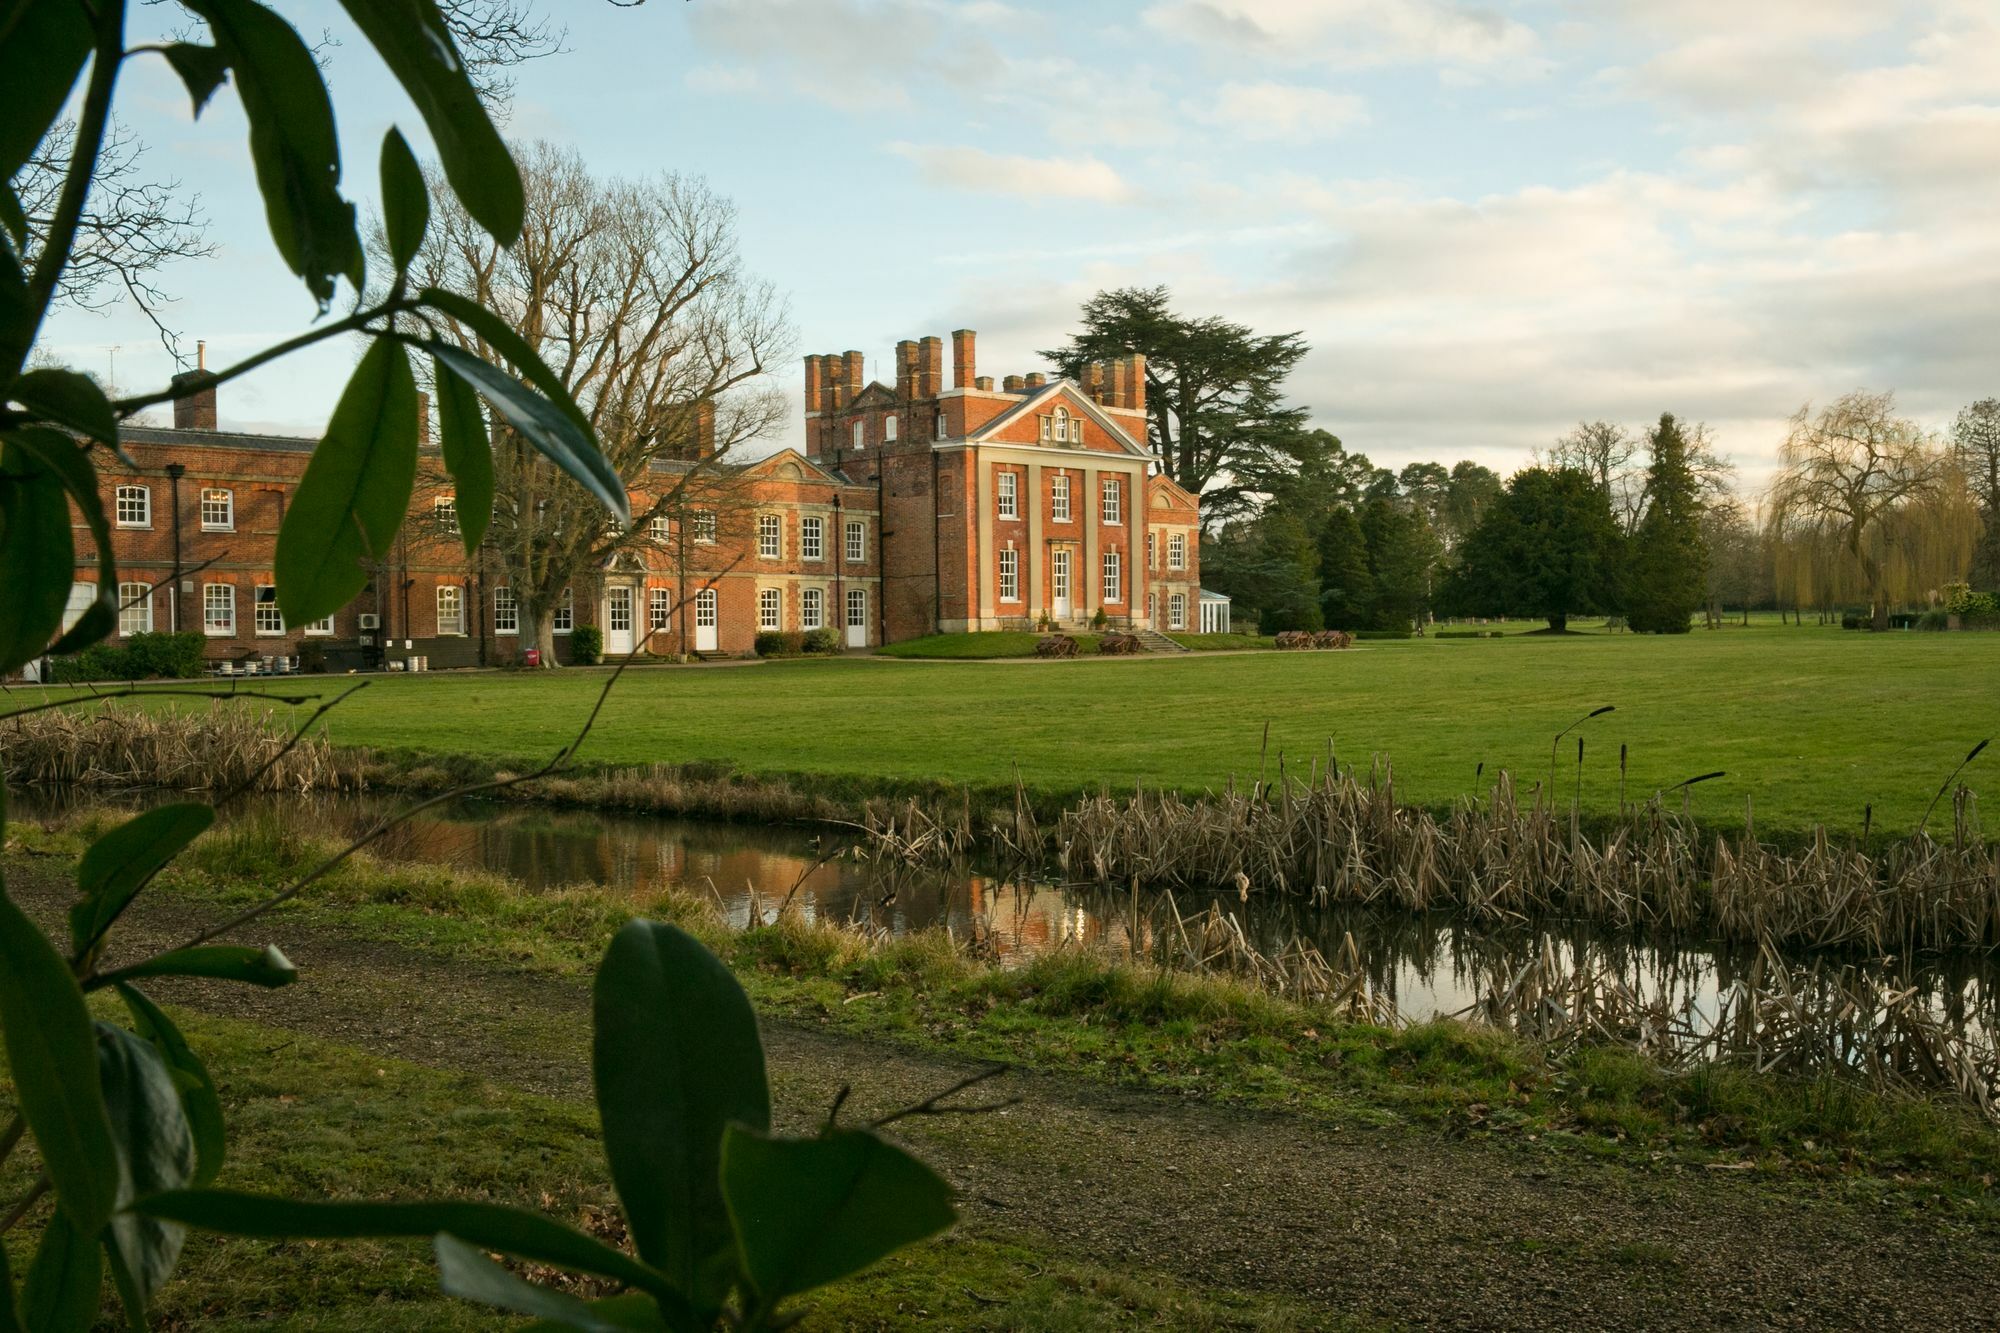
[(937, 550), (175, 471), (882, 547), (839, 543)]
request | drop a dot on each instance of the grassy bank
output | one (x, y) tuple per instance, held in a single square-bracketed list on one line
[(986, 644), (1816, 723), (1082, 1015)]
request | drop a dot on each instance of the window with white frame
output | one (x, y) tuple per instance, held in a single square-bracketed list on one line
[(1061, 423), (265, 615), (770, 537), (661, 526), (812, 538), (564, 617), (218, 609), (451, 609), (218, 509), (1009, 499), (1177, 611), (135, 608), (1152, 552), (1177, 551), (1059, 498), (703, 523), (1010, 575), (943, 426), (1114, 577), (770, 609), (506, 611), (860, 437), (134, 507), (321, 628), (1114, 500), (659, 609), (444, 512), (812, 608), (857, 542), (889, 427)]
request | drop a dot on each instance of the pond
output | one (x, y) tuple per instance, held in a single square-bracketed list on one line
[(1425, 966)]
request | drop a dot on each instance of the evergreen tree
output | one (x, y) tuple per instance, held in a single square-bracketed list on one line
[(1547, 546), (1270, 567), (1402, 556), (1346, 588), (1668, 575)]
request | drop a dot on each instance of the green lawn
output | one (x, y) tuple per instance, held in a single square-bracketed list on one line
[(985, 644), (1811, 723)]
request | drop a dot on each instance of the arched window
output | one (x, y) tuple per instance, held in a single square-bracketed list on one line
[(1062, 423), (889, 427)]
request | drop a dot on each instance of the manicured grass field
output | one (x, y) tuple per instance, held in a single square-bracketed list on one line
[(986, 644), (1811, 724)]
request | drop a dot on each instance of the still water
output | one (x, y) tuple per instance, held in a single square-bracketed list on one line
[(1426, 966)]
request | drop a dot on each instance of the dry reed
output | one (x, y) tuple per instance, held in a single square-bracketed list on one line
[(195, 749)]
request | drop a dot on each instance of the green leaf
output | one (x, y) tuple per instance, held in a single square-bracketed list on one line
[(65, 1281), (514, 1231), (60, 456), (571, 447), (469, 1275), (632, 1311), (200, 1102), (52, 1055), (266, 967), (202, 69), (35, 550), (676, 1059), (468, 454), (292, 143), (413, 41), (155, 1151), (406, 200), (119, 863), (68, 399), (41, 53), (812, 1211), (355, 490)]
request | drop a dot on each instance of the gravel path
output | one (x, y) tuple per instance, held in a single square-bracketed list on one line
[(1406, 1225)]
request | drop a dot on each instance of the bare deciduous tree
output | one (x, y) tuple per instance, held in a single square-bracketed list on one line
[(634, 294), (1608, 454), (1867, 503)]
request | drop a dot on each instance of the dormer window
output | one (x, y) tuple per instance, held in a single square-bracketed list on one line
[(1061, 425)]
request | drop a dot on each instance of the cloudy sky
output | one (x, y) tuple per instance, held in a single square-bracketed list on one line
[(1489, 221)]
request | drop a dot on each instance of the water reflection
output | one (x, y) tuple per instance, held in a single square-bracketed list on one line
[(1426, 965)]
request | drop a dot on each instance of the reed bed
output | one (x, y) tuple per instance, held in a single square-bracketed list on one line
[(218, 748), (1333, 838)]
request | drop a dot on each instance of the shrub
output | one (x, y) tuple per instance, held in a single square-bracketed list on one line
[(141, 657), (1936, 618), (1119, 645), (823, 641), (1960, 600), (1849, 620), (586, 645), (780, 643), (1056, 645), (1100, 620)]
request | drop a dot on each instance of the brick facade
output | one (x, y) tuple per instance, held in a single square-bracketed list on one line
[(943, 543)]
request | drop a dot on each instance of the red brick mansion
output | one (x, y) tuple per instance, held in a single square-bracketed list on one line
[(916, 509)]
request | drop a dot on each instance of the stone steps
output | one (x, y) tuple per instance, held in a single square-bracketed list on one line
[(1156, 642)]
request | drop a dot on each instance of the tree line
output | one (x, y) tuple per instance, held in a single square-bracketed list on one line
[(1868, 509)]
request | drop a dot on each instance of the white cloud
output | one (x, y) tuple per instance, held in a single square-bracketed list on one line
[(1284, 112), (975, 169), (1349, 33)]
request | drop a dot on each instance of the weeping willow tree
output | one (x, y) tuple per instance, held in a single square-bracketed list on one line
[(1866, 505)]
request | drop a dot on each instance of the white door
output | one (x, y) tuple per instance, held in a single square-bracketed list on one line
[(617, 622), (704, 620), (857, 617), (1059, 582)]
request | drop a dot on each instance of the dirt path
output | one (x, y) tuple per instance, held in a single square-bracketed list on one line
[(1405, 1225)]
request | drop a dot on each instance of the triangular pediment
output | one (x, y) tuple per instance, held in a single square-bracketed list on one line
[(790, 465), (1069, 395)]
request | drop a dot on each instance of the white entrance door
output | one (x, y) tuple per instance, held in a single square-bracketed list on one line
[(704, 620), (1059, 582), (617, 622), (857, 617)]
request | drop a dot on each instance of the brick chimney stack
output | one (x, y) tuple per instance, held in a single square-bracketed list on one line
[(1135, 381), (1115, 383), (930, 372), (984, 383), (1012, 384), (906, 368), (857, 367), (1037, 380), (704, 428), (423, 419), (194, 394), (813, 383), (963, 373)]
